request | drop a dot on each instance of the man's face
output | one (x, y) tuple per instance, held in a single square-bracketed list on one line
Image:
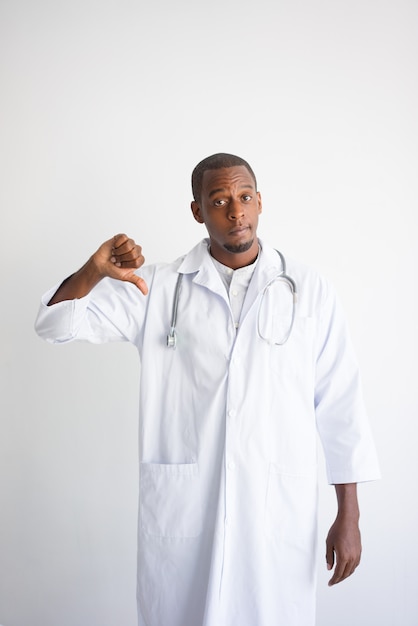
[(229, 207)]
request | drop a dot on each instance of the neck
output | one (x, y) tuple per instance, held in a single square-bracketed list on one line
[(235, 259)]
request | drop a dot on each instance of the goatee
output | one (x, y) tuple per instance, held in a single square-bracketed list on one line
[(241, 247)]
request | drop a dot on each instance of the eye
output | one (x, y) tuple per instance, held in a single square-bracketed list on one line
[(247, 198), (219, 202)]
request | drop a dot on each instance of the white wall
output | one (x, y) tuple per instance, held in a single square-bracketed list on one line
[(105, 108)]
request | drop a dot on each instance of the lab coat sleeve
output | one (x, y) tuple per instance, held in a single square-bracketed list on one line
[(113, 311), (342, 421)]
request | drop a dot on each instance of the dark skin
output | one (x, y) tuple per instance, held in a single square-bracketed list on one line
[(229, 207), (343, 543), (118, 258)]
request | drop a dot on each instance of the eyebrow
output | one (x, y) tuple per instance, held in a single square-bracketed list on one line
[(222, 189)]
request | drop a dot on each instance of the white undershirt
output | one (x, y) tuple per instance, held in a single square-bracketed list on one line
[(236, 284)]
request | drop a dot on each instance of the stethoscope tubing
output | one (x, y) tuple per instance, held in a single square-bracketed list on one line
[(172, 335)]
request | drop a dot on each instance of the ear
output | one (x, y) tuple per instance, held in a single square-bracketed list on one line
[(259, 202), (196, 212)]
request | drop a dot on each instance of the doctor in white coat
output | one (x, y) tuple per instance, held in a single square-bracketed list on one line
[(259, 361)]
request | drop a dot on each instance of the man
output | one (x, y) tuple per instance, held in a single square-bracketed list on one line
[(257, 360)]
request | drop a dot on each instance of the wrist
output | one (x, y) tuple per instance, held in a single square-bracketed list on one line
[(348, 507), (92, 271)]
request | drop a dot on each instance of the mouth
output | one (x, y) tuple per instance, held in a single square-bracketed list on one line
[(239, 230)]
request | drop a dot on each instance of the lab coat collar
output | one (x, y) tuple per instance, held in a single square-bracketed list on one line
[(268, 267), (196, 259), (199, 262), (199, 258)]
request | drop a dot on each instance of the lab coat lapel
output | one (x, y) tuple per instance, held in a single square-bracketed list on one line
[(268, 267), (199, 262)]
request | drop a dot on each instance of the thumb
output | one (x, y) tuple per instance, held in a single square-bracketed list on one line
[(138, 282), (330, 557)]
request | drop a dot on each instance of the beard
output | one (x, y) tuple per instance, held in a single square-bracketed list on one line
[(241, 247)]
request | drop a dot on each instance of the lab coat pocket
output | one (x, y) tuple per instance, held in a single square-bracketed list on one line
[(170, 500), (291, 504)]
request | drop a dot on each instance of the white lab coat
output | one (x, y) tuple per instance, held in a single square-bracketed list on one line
[(228, 435)]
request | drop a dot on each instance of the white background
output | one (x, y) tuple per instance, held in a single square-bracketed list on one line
[(106, 106)]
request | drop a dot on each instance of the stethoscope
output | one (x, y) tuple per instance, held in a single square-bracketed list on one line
[(283, 277)]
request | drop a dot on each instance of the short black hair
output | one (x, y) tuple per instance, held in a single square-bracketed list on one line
[(216, 162)]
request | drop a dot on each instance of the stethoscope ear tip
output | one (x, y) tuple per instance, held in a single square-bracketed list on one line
[(171, 340)]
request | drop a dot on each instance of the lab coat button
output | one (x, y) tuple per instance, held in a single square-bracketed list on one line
[(232, 413), (231, 466)]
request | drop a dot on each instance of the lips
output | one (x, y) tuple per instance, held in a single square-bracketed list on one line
[(239, 230)]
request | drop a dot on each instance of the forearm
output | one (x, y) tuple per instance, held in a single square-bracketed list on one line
[(79, 284), (347, 500), (117, 258)]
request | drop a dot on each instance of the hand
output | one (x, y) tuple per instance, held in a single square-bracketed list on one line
[(343, 548), (118, 258)]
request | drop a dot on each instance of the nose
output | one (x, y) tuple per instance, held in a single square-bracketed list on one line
[(235, 210)]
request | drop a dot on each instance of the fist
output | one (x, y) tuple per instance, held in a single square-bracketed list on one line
[(118, 258)]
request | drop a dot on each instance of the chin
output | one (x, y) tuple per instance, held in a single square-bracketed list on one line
[(239, 247)]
